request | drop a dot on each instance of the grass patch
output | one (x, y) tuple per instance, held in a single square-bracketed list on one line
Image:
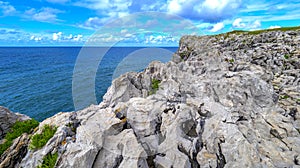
[(154, 86), (277, 29), (39, 140), (231, 60), (255, 32), (49, 161), (286, 56), (284, 97), (17, 130)]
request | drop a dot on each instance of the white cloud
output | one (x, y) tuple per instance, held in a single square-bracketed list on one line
[(256, 24), (93, 23), (238, 23), (217, 27), (56, 36), (7, 9), (35, 38), (156, 6), (60, 37), (274, 27), (43, 15), (58, 1), (70, 36), (78, 37), (207, 10), (110, 8)]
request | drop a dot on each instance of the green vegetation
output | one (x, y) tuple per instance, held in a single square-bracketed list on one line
[(17, 130), (49, 161), (231, 60), (284, 97), (259, 31), (154, 86), (277, 29), (286, 56), (39, 140)]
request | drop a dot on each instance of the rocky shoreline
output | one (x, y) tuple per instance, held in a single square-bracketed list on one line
[(230, 100)]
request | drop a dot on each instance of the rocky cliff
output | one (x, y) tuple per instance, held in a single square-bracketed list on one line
[(230, 100)]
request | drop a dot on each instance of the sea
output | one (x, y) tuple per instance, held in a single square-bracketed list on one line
[(39, 81)]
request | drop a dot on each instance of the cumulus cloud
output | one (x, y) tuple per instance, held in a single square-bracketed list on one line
[(35, 38), (7, 9), (274, 27), (60, 37), (158, 39), (207, 10), (256, 24), (43, 15), (108, 8), (238, 23), (78, 37), (93, 23), (56, 36), (217, 27), (117, 5), (156, 6)]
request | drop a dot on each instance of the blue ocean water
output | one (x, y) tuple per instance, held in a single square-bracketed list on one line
[(37, 81)]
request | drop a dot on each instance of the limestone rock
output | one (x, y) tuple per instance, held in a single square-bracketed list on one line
[(7, 119), (229, 100), (12, 156)]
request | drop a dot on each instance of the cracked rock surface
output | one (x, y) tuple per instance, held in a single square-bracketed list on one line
[(223, 101)]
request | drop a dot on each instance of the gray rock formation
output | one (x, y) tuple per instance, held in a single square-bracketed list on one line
[(15, 154), (7, 119), (231, 100)]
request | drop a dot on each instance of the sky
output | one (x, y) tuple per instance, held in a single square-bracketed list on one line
[(135, 22)]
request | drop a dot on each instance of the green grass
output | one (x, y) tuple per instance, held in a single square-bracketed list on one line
[(49, 161), (154, 86), (259, 31), (277, 29), (17, 130), (39, 140), (286, 56), (284, 97)]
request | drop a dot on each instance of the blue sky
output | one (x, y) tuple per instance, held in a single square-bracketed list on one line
[(135, 22)]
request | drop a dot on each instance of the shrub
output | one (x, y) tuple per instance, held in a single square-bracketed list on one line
[(286, 56), (39, 140), (49, 161), (154, 86), (17, 130)]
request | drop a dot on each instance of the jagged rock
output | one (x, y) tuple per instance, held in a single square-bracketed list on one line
[(7, 119), (229, 100), (121, 150), (12, 156), (34, 158)]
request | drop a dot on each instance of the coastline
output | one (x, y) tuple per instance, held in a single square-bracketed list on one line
[(219, 96)]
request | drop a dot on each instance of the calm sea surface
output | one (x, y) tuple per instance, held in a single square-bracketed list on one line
[(37, 81)]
